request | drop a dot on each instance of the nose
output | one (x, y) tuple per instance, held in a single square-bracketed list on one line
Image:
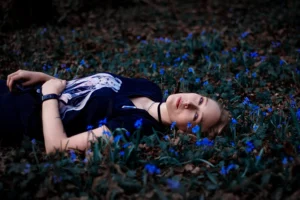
[(188, 105)]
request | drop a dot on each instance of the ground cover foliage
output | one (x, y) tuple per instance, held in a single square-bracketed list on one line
[(243, 54)]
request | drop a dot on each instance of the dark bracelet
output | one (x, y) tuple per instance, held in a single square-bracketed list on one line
[(49, 96)]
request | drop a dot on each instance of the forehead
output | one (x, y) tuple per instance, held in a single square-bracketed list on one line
[(211, 113)]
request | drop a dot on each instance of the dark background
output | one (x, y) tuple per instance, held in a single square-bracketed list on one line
[(20, 14)]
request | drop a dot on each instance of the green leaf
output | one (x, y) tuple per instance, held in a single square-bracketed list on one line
[(212, 178)]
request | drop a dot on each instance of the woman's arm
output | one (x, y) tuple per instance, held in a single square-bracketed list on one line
[(45, 77), (27, 78), (53, 130), (55, 136)]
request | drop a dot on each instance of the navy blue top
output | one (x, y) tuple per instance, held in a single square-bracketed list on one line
[(85, 102)]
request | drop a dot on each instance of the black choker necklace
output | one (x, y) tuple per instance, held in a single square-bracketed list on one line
[(158, 111)]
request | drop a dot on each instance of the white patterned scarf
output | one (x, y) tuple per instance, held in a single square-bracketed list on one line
[(77, 92)]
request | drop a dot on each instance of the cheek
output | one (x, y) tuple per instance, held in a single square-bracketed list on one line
[(182, 121)]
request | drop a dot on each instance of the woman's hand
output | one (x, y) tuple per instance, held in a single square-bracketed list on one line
[(25, 77), (55, 86)]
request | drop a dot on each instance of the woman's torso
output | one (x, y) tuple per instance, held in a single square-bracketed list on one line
[(86, 103)]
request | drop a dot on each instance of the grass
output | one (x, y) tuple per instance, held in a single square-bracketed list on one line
[(244, 55)]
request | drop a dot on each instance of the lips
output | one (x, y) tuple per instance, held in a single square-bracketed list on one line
[(178, 102)]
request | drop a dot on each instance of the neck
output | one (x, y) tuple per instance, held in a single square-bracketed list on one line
[(163, 111)]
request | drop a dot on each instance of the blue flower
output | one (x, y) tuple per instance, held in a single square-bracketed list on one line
[(263, 58), (166, 137), (197, 80), (73, 155), (285, 161), (250, 146), (107, 133), (254, 74), (230, 167), (233, 60), (85, 160), (233, 49), (89, 127), (233, 121), (127, 133), (167, 54), (189, 125), (255, 127), (57, 180), (154, 66), (138, 124), (138, 37), (254, 109), (276, 44), (33, 141), (232, 144), (173, 184), (293, 103), (223, 170), (173, 151), (166, 93), (82, 62), (196, 129), (243, 35), (253, 54), (258, 157), (298, 114), (190, 36), (152, 169), (122, 153), (191, 70), (207, 58), (173, 125), (181, 79), (270, 109), (279, 126), (144, 42), (126, 145), (237, 75), (45, 67), (102, 122), (117, 138), (281, 62), (246, 101), (205, 142), (161, 71), (247, 70), (225, 52), (68, 69), (185, 56), (167, 40), (177, 59), (205, 83)]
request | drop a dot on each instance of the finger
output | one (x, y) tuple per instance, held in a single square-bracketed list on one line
[(12, 80), (9, 77)]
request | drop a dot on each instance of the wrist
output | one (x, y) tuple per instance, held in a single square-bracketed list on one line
[(49, 97)]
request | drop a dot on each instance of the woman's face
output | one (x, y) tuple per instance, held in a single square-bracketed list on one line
[(194, 108)]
